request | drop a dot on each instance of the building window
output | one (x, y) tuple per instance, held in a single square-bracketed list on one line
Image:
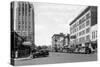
[(83, 39), (88, 37), (96, 34), (87, 30), (80, 21), (77, 28), (19, 26), (74, 25), (92, 35), (22, 9), (74, 31), (79, 33), (88, 15), (79, 39), (83, 32), (87, 22), (83, 25), (19, 9), (76, 40), (77, 24), (83, 19), (80, 27)]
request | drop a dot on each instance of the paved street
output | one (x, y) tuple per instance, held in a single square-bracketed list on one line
[(58, 58)]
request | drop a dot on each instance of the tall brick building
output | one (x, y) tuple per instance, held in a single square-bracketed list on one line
[(23, 19)]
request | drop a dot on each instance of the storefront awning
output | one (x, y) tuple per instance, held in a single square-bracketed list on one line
[(73, 37), (27, 43)]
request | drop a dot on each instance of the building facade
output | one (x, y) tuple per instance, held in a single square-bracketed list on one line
[(93, 36), (80, 27), (67, 40), (93, 33), (22, 29), (59, 41), (23, 19)]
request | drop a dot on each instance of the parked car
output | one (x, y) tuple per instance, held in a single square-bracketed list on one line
[(44, 52), (36, 54), (88, 50), (40, 53), (83, 50)]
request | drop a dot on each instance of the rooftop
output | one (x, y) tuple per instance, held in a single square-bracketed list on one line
[(87, 8), (61, 34)]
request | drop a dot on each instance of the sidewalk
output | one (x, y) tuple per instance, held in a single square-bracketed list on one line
[(26, 58)]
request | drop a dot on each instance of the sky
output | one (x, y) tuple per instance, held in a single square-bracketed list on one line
[(53, 19)]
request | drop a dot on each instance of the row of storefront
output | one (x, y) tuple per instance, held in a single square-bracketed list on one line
[(18, 49), (84, 29)]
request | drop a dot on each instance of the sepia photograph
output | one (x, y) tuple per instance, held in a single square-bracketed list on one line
[(50, 33)]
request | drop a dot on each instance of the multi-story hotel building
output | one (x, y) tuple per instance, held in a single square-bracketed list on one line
[(81, 26), (59, 41), (23, 19)]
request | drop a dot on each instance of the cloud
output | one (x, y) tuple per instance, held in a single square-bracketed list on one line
[(39, 27), (52, 19)]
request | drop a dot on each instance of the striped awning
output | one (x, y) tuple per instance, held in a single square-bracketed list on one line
[(27, 43)]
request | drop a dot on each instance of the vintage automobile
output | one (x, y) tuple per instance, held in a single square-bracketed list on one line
[(36, 54), (40, 53), (44, 53), (83, 50)]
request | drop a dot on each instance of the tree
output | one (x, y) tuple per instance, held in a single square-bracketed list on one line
[(39, 48)]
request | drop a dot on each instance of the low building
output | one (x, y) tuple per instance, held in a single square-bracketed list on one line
[(67, 40), (19, 50), (93, 36), (59, 41)]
